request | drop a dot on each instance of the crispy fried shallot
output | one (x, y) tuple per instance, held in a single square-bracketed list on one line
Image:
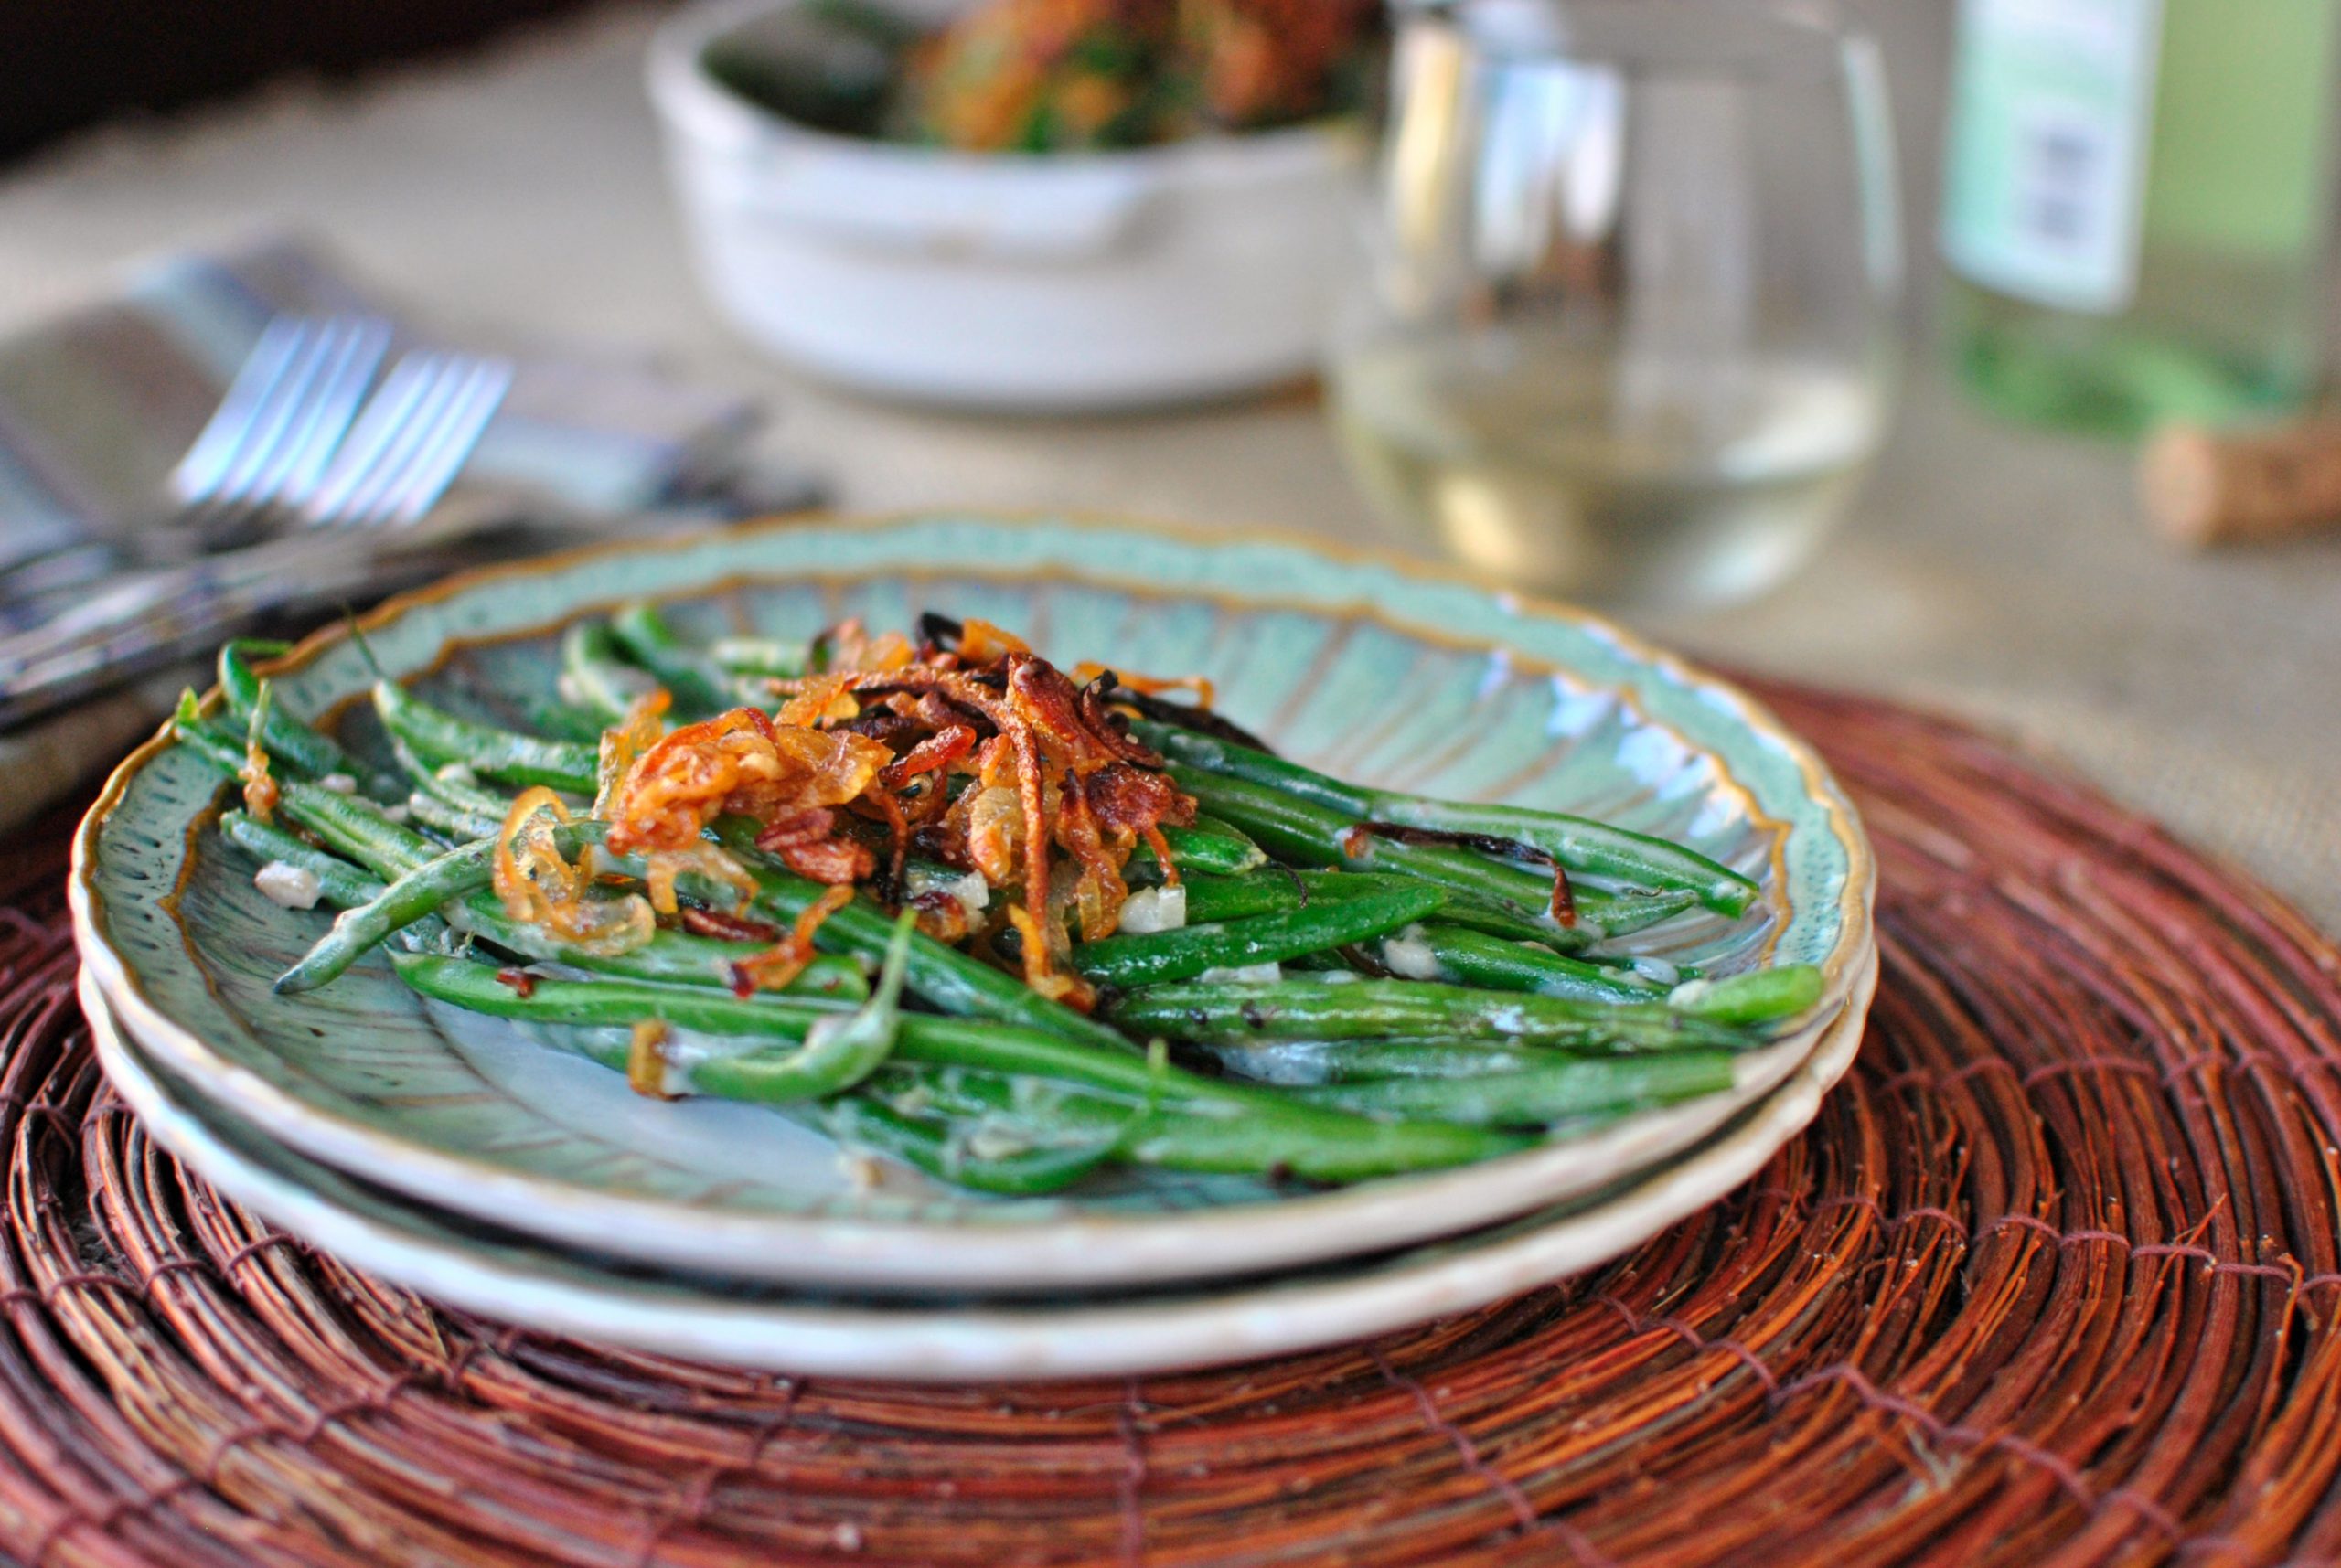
[(787, 776), (624, 741), (539, 886), (646, 1061), (787, 958), (260, 785), (1057, 771), (981, 643), (1089, 672), (966, 748), (726, 927)]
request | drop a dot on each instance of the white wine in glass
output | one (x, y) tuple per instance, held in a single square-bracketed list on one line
[(1625, 330), (1539, 472)]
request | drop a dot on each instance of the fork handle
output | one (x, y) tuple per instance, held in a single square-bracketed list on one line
[(143, 620)]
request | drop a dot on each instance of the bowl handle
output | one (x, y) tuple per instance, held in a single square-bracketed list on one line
[(1059, 213)]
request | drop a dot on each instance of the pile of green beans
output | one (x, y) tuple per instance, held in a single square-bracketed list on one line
[(1335, 984)]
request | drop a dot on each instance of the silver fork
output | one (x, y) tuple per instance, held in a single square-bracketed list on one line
[(381, 471), (284, 414), (280, 423), (408, 444)]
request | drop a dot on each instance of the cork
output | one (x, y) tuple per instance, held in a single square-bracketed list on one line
[(2203, 486)]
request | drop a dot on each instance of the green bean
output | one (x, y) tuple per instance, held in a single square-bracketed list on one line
[(1219, 827), (207, 738), (670, 955), (1270, 771), (556, 719), (452, 783), (1027, 1115), (1307, 833), (1239, 1129), (1644, 966), (836, 1050), (339, 882), (1019, 1111), (439, 738), (420, 892), (695, 682), (1587, 849), (1296, 1062), (467, 869), (1173, 1136), (1756, 997), (1207, 850), (1207, 898), (1308, 1141), (595, 678), (256, 723), (943, 977), (1184, 952), (355, 826), (1581, 845), (855, 1120), (351, 825), (303, 748), (1281, 888), (995, 1048), (840, 1050), (452, 822), (1467, 957), (934, 1147), (449, 800), (1505, 899), (1599, 918), (1326, 964), (1615, 915), (1303, 832), (767, 657), (1550, 1092), (1235, 1011), (675, 957)]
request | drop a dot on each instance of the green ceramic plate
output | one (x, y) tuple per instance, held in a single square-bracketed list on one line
[(830, 1333), (1370, 667)]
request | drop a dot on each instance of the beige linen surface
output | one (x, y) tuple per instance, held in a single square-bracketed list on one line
[(1996, 572)]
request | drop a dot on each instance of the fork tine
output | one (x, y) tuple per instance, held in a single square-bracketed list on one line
[(411, 438), (435, 467), (274, 420), (358, 345), (378, 424), (198, 474)]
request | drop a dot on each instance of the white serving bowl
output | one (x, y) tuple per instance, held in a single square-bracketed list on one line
[(1008, 280)]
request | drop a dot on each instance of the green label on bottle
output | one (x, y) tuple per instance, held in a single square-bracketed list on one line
[(2052, 115)]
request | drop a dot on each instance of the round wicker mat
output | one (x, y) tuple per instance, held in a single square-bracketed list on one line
[(2052, 1279)]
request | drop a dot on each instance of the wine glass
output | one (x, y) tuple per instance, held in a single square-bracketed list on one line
[(1625, 329)]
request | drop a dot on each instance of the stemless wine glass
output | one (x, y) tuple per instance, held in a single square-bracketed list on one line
[(1625, 329)]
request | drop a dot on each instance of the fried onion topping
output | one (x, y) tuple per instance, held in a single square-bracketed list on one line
[(740, 762), (965, 748), (538, 886)]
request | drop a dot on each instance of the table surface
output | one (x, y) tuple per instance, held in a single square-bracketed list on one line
[(1997, 572)]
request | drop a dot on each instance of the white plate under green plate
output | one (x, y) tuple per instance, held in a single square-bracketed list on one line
[(831, 1335), (1371, 667)]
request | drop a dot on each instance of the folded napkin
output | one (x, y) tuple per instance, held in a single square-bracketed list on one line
[(98, 406)]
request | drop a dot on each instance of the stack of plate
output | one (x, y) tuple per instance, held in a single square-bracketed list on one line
[(451, 1153)]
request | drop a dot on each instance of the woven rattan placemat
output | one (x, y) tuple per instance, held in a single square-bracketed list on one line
[(2052, 1279)]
